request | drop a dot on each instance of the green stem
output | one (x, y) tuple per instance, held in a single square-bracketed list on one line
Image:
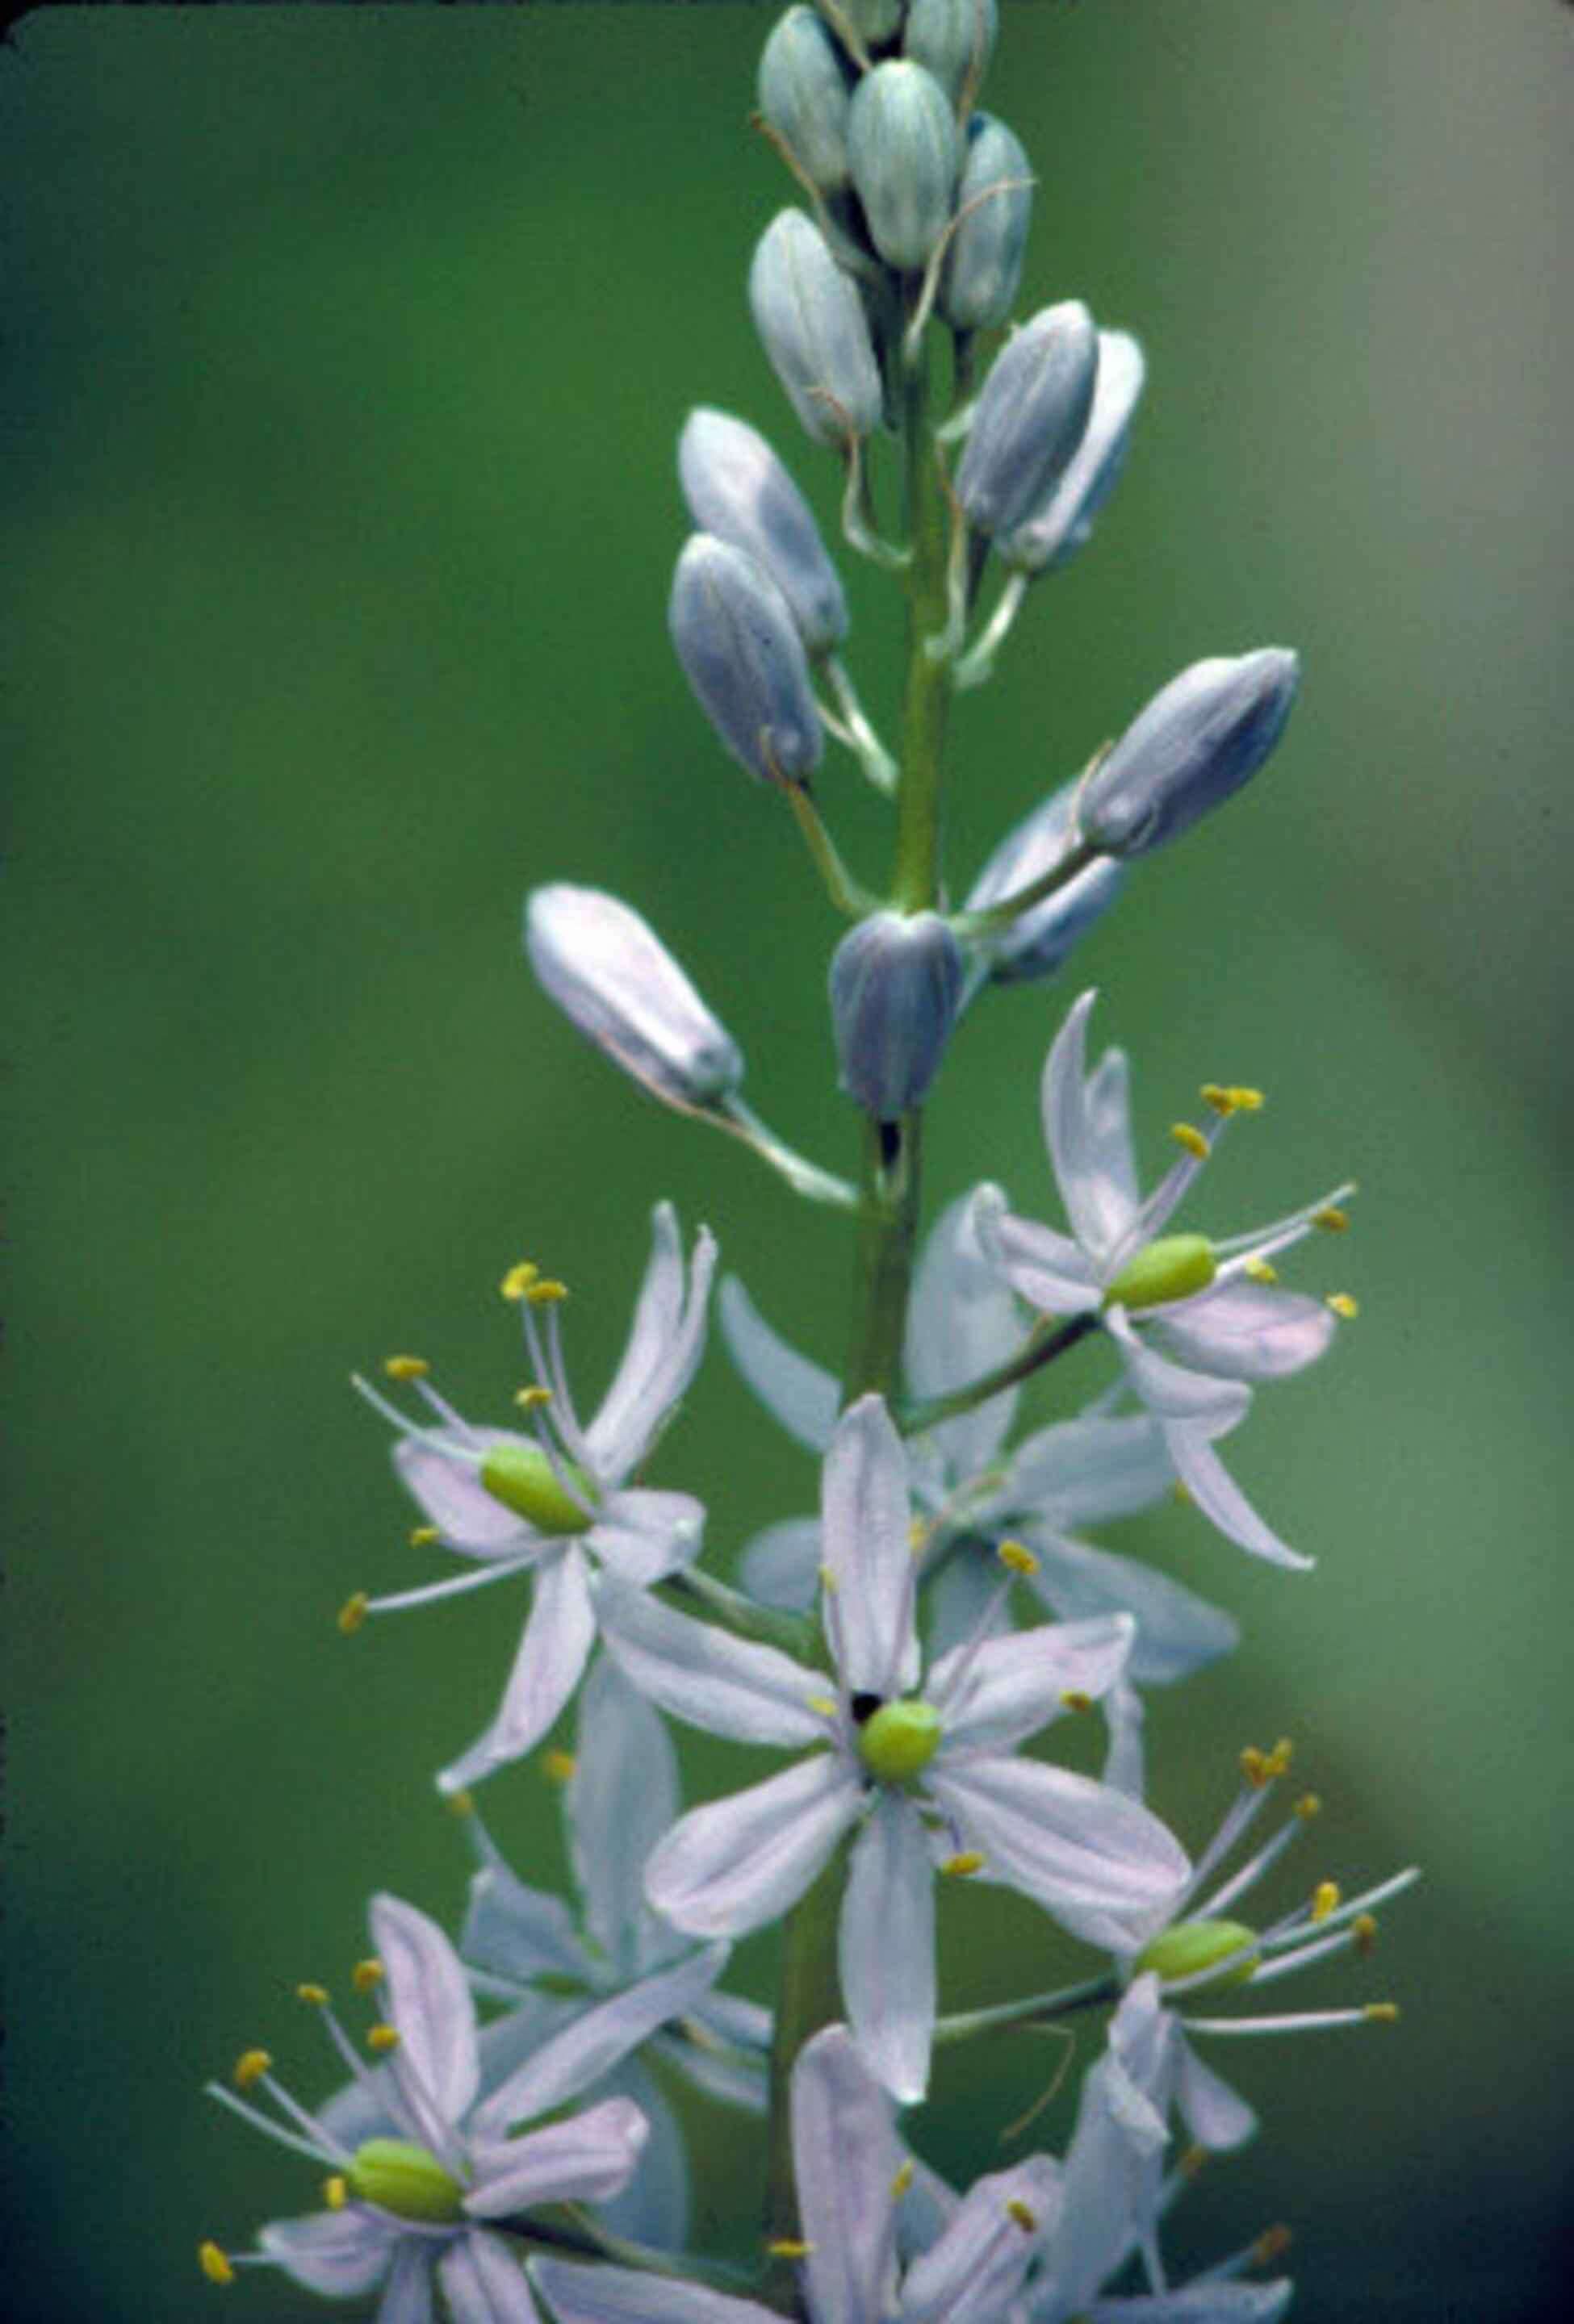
[(807, 1997), (1049, 1341), (794, 1634), (1037, 2009), (928, 684)]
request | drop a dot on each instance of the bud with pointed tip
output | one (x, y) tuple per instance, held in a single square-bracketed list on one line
[(735, 635), (983, 262), (613, 978), (738, 489), (803, 92), (905, 155), (812, 327), (1036, 944), (1031, 415), (895, 985), (1196, 743), (1055, 531), (952, 38)]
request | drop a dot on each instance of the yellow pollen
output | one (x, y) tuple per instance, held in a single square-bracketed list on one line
[(825, 1706), (335, 2193), (788, 2247), (1343, 1305), (1193, 2162), (406, 1368), (382, 2038), (461, 1804), (316, 1994), (1331, 1219), (1325, 1899), (1255, 1766), (1028, 2221), (1215, 1094), (1364, 1934), (827, 1580), (213, 2263), (532, 1399), (560, 1766), (1016, 1559), (518, 1279), (366, 1973), (424, 1537), (1191, 1139), (917, 1535), (1259, 1271), (1308, 1805), (1382, 2012), (1181, 1491), (1245, 1100), (902, 2180), (250, 2067), (1270, 2245), (963, 1866), (353, 1613), (1075, 1699), (547, 1294)]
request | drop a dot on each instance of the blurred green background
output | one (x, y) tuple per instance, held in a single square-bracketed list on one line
[(344, 355)]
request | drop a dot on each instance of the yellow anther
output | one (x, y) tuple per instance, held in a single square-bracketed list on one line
[(461, 1804), (1028, 2221), (1343, 1305), (827, 1580), (532, 1399), (917, 1536), (1075, 1699), (1255, 1766), (1364, 1934), (1245, 1100), (1215, 1094), (406, 1368), (317, 1995), (1325, 1899), (1016, 1559), (1308, 1805), (1193, 2162), (1258, 1270), (213, 2263), (902, 2180), (824, 1706), (353, 1613), (382, 2038), (1181, 1491), (1331, 1219), (547, 1293), (1191, 1139), (518, 1279), (963, 1866), (559, 1767), (335, 2193), (250, 2067), (1382, 2012), (788, 2247), (1270, 2245), (1279, 1756), (424, 1537), (366, 1974)]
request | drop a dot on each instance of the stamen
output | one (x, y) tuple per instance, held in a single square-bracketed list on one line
[(315, 1995), (904, 2179), (825, 1706), (383, 2038), (963, 1865), (1270, 2245), (1074, 1698), (1325, 1899), (1258, 1270), (918, 1536), (366, 1974), (1252, 1871), (1344, 1305), (548, 1293), (1382, 2012), (518, 1279), (559, 1767), (460, 1805), (353, 1613), (1181, 1493), (1233, 1099), (1308, 1805), (1193, 1140), (1017, 2210), (1310, 2020), (1331, 1219), (1261, 1242), (788, 2247), (336, 2193), (1016, 1559), (532, 1399), (1193, 2162), (1364, 1930), (479, 1577), (312, 2148), (250, 2067), (406, 1368), (424, 1537), (214, 2264)]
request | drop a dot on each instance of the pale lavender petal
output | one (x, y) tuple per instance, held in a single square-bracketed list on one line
[(722, 2075), (1223, 1503), (483, 2281), (704, 1675), (338, 2252), (575, 2058), (1218, 2117), (642, 1536), (1077, 1472), (407, 2294), (663, 1351), (1177, 1631), (781, 1566), (736, 1864), (519, 1932), (965, 1595), (451, 1496), (1199, 2303), (1049, 1271), (743, 2023), (803, 1395), (973, 2272), (621, 1798), (619, 2295), (1244, 1331), (1087, 1131), (887, 1947), (552, 1653), (657, 1312), (1101, 1864), (429, 2003), (1011, 1686), (844, 2154), (866, 1517), (962, 1321), (653, 2207), (1124, 1761), (583, 2160), (1203, 1403)]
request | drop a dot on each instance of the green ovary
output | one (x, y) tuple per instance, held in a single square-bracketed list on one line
[(404, 2178), (899, 1740), (1190, 1947), (521, 1477), (1174, 1267)]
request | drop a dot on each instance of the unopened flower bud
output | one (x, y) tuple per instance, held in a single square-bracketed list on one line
[(951, 39), (1031, 415), (735, 635), (1057, 528), (738, 489), (895, 983), (812, 327), (803, 93), (1196, 742), (618, 983), (905, 156), (1036, 944), (983, 263)]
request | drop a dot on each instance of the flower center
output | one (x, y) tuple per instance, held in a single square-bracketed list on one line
[(522, 1479), (899, 1739), (1190, 1947), (402, 2177), (1174, 1267)]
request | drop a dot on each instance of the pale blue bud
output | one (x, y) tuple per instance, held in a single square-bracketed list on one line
[(811, 324), (736, 488), (1197, 741), (983, 263), (804, 94), (905, 155), (946, 36), (1036, 944), (1058, 527), (617, 983), (1030, 418), (741, 653), (895, 986), (871, 21)]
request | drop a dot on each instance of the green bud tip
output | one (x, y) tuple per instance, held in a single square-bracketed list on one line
[(1174, 1267), (1190, 1947), (899, 1740), (522, 1478), (404, 2178)]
